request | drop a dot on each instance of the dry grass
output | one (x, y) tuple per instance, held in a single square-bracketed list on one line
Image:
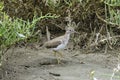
[(96, 20)]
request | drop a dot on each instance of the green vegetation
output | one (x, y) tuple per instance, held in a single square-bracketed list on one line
[(13, 30)]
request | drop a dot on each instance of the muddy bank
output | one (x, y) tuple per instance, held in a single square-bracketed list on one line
[(30, 64)]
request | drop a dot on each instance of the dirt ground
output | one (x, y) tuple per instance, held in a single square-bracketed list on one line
[(31, 64)]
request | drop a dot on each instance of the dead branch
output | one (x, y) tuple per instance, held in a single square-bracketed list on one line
[(103, 40), (105, 20)]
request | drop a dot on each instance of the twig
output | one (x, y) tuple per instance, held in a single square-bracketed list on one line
[(54, 74), (48, 33), (105, 20), (115, 70), (97, 35), (105, 39)]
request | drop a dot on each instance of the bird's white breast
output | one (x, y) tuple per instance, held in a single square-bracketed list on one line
[(64, 42)]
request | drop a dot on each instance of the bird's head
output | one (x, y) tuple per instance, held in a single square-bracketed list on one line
[(70, 30)]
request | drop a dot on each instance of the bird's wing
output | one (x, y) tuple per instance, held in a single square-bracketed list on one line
[(52, 44)]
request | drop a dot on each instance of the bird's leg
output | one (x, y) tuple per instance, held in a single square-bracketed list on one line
[(60, 54), (55, 54)]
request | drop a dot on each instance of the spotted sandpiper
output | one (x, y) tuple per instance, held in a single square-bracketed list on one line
[(60, 42)]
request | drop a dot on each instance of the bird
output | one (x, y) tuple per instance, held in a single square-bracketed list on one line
[(60, 42)]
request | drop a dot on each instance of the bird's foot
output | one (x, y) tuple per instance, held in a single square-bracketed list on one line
[(58, 61)]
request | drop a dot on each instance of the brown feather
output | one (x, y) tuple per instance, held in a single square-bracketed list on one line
[(53, 43)]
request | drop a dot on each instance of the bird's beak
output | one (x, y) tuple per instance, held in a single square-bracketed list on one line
[(76, 32)]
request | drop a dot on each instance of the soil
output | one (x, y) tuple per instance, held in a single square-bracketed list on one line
[(22, 63)]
